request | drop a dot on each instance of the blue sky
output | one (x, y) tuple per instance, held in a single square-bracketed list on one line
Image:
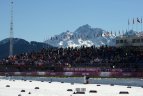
[(36, 20)]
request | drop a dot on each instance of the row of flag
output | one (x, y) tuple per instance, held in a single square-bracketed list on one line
[(135, 20), (105, 34)]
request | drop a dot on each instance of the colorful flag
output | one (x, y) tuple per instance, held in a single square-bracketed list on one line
[(111, 33), (138, 20), (119, 32)]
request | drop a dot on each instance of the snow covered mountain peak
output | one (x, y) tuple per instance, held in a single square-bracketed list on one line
[(87, 29), (84, 28), (83, 36)]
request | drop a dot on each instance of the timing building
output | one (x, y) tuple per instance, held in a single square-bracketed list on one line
[(132, 40)]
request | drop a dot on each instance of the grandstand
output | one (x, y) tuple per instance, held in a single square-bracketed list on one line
[(93, 61)]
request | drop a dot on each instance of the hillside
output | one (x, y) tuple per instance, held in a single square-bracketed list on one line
[(20, 46)]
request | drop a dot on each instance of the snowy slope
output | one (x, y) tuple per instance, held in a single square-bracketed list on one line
[(37, 88), (84, 35)]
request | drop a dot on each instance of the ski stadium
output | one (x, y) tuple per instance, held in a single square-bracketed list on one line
[(84, 71), (87, 62)]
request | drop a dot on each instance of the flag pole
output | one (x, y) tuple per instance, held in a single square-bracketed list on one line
[(141, 24), (133, 24), (119, 33), (115, 33), (138, 21), (137, 25), (128, 24), (122, 32)]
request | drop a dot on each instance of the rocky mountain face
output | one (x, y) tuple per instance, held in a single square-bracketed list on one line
[(83, 36)]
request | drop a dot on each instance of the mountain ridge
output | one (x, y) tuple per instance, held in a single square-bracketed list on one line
[(20, 46), (83, 36)]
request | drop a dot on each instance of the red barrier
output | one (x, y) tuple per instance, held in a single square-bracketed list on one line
[(81, 69), (116, 74), (94, 74)]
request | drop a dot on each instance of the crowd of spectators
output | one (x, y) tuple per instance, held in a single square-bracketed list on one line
[(55, 59)]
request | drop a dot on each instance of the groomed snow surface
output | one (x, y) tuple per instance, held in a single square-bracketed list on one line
[(45, 88)]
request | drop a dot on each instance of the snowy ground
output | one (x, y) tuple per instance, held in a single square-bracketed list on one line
[(14, 88)]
